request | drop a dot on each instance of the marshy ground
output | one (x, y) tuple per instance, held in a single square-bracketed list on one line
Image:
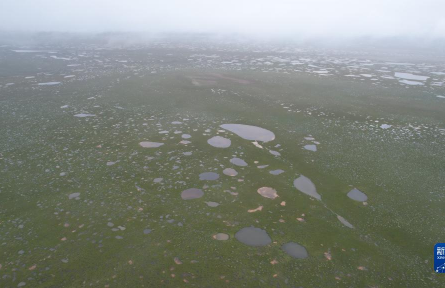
[(118, 167)]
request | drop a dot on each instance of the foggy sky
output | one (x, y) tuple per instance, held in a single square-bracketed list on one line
[(271, 18)]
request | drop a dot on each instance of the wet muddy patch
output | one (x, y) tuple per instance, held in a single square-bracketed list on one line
[(147, 144), (221, 237), (344, 222), (192, 193), (306, 186), (252, 236), (357, 195), (212, 204), (276, 172), (267, 192), (74, 196), (249, 132), (238, 162), (311, 147), (219, 142), (295, 250), (209, 176), (83, 115)]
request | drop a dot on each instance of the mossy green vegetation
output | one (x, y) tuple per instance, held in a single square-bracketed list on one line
[(128, 226)]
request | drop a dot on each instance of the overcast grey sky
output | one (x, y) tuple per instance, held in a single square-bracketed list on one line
[(308, 18)]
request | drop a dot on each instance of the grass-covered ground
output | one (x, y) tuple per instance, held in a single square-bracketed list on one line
[(98, 240)]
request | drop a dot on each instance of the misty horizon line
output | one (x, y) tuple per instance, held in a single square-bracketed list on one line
[(11, 37), (222, 34)]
